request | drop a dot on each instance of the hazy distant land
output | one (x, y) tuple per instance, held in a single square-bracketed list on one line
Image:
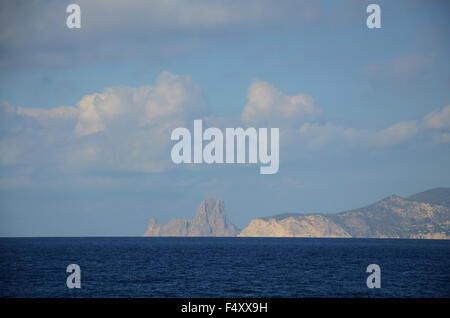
[(424, 215)]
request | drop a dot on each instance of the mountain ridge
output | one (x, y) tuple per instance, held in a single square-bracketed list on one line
[(439, 196), (391, 217)]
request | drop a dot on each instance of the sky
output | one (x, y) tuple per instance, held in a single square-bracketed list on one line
[(86, 114)]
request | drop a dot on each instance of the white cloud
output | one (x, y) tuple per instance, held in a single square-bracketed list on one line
[(268, 105), (121, 129), (438, 119), (437, 123), (395, 134), (442, 138), (127, 130), (324, 136), (174, 98), (68, 112), (329, 136)]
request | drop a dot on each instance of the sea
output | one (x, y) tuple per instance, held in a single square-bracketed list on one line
[(223, 267)]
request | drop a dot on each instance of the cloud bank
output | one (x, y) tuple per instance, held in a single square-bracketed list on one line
[(146, 29), (120, 129), (127, 129)]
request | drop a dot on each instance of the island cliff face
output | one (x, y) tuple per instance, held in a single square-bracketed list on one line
[(393, 217), (294, 226), (210, 220)]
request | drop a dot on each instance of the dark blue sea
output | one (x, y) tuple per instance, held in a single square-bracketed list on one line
[(223, 267)]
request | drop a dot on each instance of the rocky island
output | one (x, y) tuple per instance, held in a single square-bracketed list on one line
[(210, 220), (424, 215)]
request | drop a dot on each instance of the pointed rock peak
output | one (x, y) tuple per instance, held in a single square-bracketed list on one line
[(220, 207), (153, 222), (206, 206), (210, 220)]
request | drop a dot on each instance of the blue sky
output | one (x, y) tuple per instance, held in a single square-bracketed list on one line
[(86, 114)]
